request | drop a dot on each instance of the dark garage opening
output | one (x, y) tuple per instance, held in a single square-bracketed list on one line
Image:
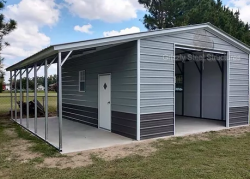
[(200, 93)]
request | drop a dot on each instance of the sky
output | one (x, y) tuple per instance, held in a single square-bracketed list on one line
[(42, 23)]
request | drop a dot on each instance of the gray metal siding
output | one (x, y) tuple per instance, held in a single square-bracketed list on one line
[(157, 89), (152, 50), (157, 77), (238, 89), (120, 61)]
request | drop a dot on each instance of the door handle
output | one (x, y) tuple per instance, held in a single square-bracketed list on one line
[(109, 102)]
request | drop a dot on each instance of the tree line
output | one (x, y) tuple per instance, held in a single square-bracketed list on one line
[(173, 13), (52, 79)]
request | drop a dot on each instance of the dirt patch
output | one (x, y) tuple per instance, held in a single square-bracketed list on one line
[(140, 148), (10, 132), (20, 151), (81, 159), (69, 161), (235, 132)]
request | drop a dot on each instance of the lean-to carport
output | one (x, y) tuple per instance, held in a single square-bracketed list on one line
[(76, 136)]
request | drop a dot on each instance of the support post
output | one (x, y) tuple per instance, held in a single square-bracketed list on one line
[(46, 97), (183, 88), (222, 91), (35, 96), (228, 90), (59, 76), (174, 87), (21, 99), (27, 98), (15, 98), (201, 84), (138, 90), (11, 99)]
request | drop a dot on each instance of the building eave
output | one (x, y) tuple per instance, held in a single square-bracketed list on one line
[(52, 50)]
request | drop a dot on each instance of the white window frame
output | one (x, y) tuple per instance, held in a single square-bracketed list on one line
[(82, 71)]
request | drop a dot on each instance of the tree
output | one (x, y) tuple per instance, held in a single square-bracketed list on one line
[(5, 28), (173, 13)]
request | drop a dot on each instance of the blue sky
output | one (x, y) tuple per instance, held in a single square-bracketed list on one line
[(45, 22)]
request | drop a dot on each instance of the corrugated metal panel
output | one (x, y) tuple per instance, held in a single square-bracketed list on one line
[(120, 61), (82, 114), (238, 116), (124, 124), (239, 63), (157, 125), (151, 109)]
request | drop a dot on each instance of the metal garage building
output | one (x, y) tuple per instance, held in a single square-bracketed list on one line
[(153, 84)]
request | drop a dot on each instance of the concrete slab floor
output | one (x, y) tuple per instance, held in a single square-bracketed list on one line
[(79, 137), (188, 125), (76, 136)]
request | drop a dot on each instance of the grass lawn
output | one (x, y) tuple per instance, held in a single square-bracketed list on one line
[(223, 154)]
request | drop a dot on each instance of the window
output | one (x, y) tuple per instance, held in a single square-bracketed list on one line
[(82, 85), (178, 83)]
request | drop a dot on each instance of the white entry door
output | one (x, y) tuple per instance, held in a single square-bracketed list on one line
[(105, 102)]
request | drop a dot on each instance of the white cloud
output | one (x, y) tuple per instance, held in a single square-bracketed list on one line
[(121, 32), (84, 28), (35, 12), (30, 16), (243, 6), (105, 10)]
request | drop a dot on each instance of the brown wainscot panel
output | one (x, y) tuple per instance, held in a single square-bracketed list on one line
[(238, 116), (124, 124), (157, 125)]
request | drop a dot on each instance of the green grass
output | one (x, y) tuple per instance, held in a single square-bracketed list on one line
[(220, 157), (5, 103), (39, 145)]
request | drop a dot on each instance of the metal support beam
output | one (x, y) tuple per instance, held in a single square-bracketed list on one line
[(23, 72), (183, 88), (201, 84), (30, 70), (66, 58), (35, 96), (11, 99), (15, 96), (222, 91), (199, 68), (39, 67), (220, 66), (46, 97), (59, 76), (27, 98), (228, 88), (52, 62), (17, 73), (138, 130), (21, 99), (179, 67)]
